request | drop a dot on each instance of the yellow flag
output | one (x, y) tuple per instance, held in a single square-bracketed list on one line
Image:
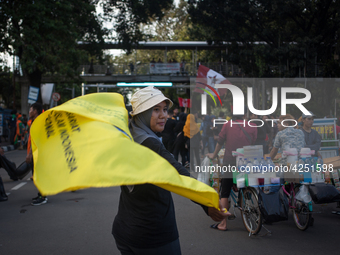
[(86, 142)]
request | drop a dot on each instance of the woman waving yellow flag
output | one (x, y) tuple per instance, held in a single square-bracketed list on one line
[(86, 143)]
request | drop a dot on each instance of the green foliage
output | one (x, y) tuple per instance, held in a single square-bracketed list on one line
[(6, 90), (174, 25), (44, 34), (129, 15), (290, 34)]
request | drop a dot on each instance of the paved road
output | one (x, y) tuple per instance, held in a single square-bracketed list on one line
[(80, 223)]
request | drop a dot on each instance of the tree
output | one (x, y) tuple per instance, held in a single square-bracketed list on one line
[(44, 34), (172, 26), (290, 34), (129, 15), (6, 89)]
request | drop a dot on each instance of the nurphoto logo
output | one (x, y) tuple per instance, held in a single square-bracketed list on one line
[(238, 100)]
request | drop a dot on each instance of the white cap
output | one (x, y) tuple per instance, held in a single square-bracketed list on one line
[(146, 98)]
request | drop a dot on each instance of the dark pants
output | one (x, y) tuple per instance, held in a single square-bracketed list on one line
[(39, 194), (205, 141), (226, 186), (12, 135), (3, 195), (194, 153), (183, 153), (227, 180), (172, 248)]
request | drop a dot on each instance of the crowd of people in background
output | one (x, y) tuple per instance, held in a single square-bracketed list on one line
[(176, 136), (16, 129), (19, 127)]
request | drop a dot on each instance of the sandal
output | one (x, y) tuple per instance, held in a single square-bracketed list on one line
[(215, 226)]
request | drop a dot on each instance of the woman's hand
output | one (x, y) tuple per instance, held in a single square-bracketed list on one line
[(29, 158), (210, 155), (217, 215)]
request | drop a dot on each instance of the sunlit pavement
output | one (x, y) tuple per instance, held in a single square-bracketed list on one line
[(80, 223)]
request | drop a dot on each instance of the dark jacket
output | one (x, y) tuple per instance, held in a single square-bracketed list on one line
[(146, 216)]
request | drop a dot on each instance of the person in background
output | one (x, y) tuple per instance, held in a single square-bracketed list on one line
[(145, 223), (20, 132), (27, 132), (168, 134), (275, 127), (8, 166), (312, 137), (212, 132), (218, 127), (204, 128), (24, 119), (182, 66), (337, 127), (287, 137), (175, 116), (179, 144), (193, 136), (3, 195), (12, 124), (300, 123), (232, 136), (198, 63), (35, 111), (132, 68), (270, 124), (262, 132)]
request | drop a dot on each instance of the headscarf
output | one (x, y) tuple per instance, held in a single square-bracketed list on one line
[(190, 128), (140, 126), (140, 130)]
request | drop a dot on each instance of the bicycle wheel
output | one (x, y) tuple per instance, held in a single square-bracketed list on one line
[(250, 213), (301, 216)]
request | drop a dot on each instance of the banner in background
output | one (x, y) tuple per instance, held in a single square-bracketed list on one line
[(164, 68), (46, 92)]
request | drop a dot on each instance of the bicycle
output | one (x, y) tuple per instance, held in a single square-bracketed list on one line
[(247, 202), (301, 211)]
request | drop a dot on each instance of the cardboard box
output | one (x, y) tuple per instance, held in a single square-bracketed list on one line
[(291, 176), (335, 161)]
